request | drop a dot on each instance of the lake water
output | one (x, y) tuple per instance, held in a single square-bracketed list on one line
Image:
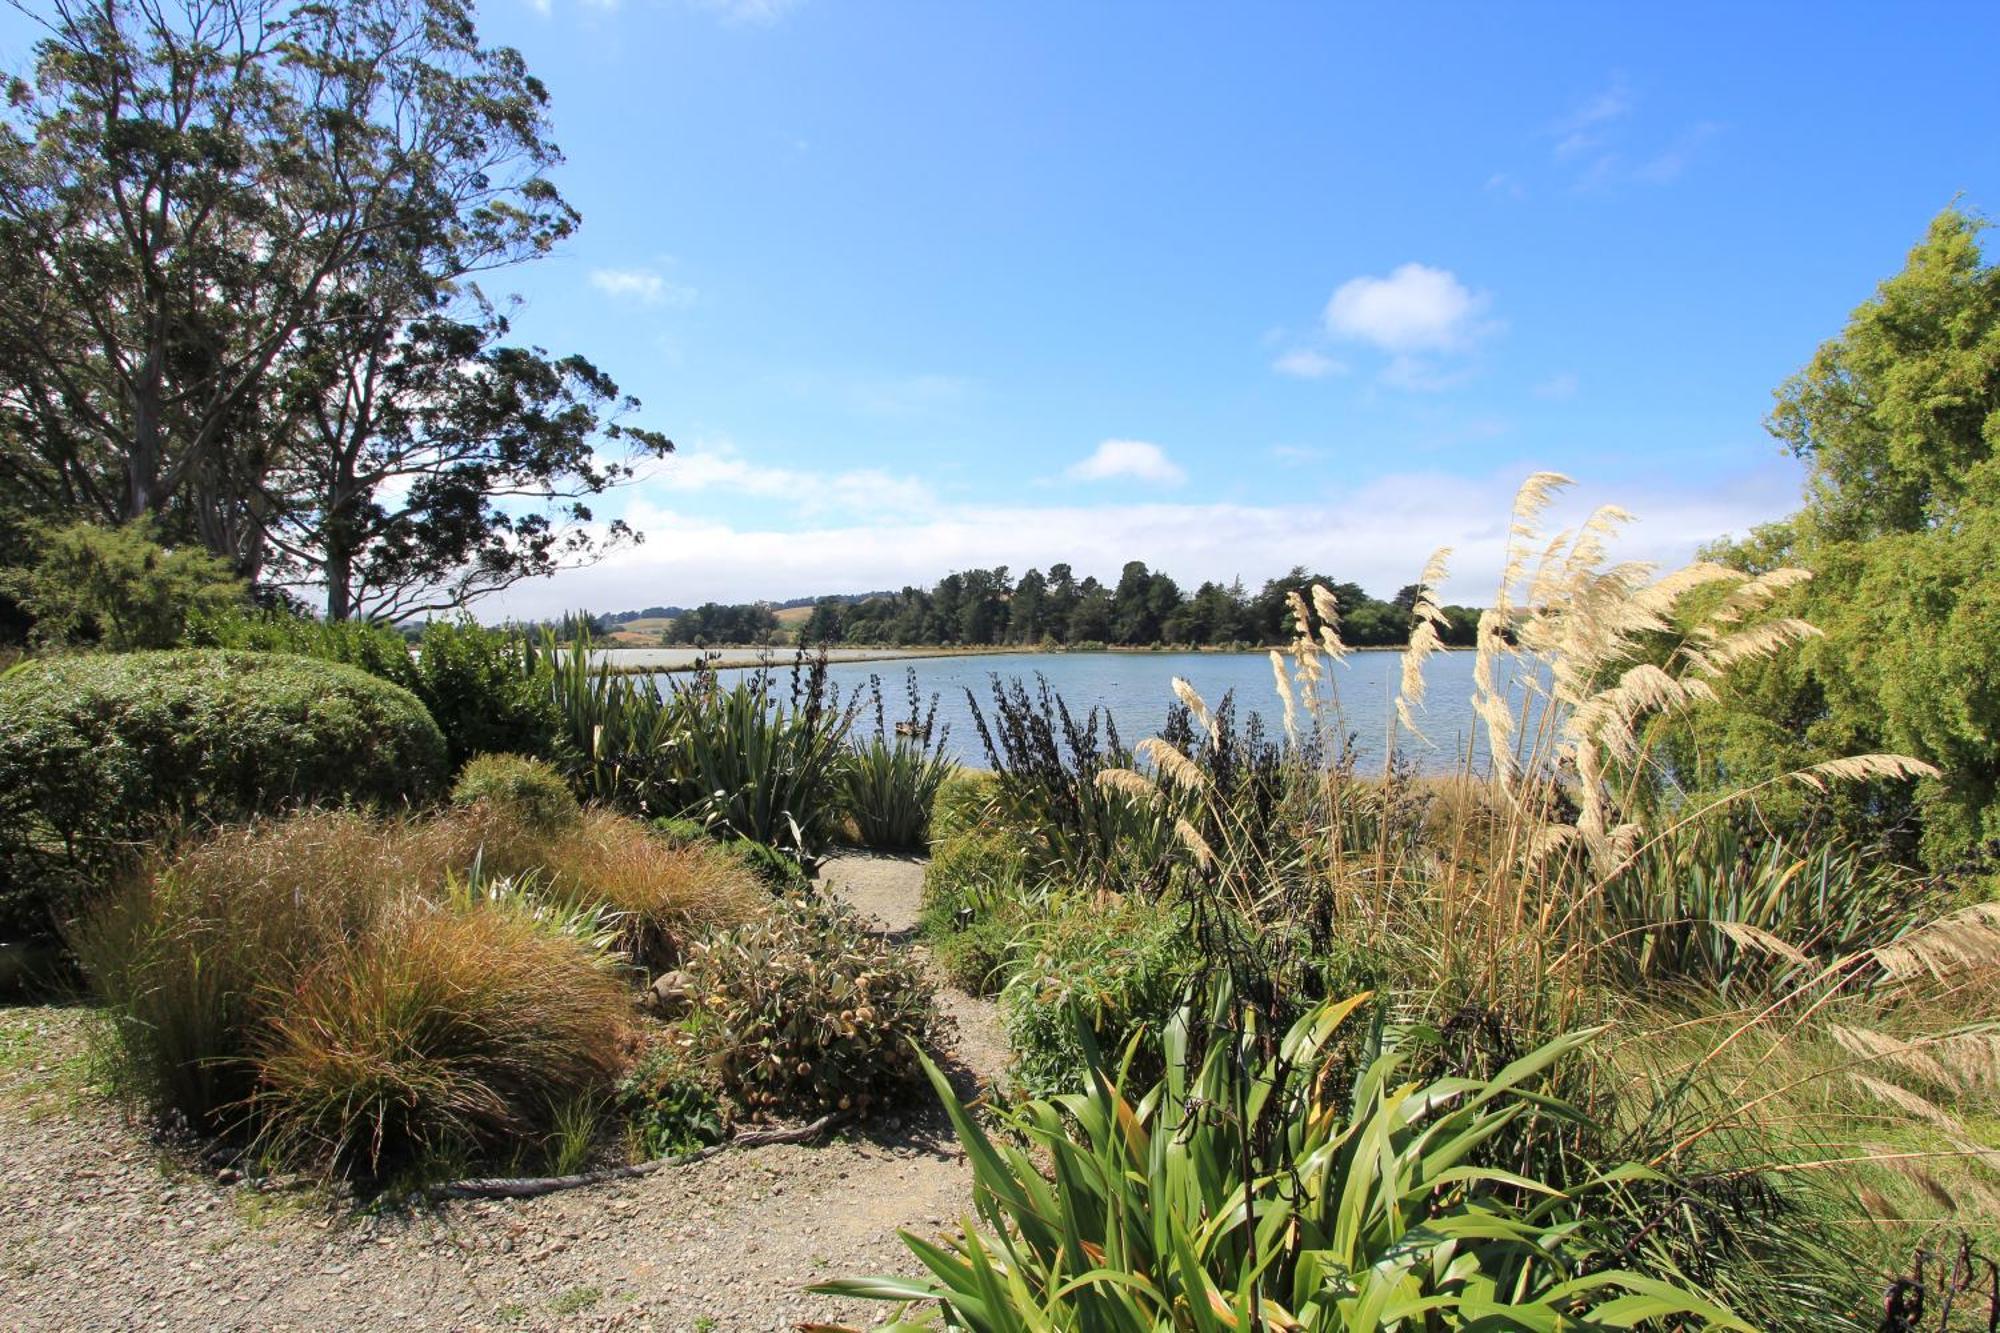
[(1137, 689)]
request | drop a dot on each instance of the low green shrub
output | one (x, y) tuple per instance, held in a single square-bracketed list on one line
[(964, 801), (978, 911), (667, 1104), (978, 956), (99, 754), (807, 1011), (1112, 968), (528, 789), (488, 691)]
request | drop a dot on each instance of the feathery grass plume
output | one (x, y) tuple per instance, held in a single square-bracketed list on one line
[(1125, 782), (1191, 838), (1894, 1094), (1427, 622), (1328, 607), (1174, 766), (1863, 768), (1284, 686), (1871, 1045), (1198, 708), (1762, 941), (1961, 941)]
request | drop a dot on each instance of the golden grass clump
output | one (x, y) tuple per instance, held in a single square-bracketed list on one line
[(373, 993), (441, 1033), (662, 893)]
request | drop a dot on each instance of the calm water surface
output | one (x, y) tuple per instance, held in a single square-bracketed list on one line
[(1137, 689)]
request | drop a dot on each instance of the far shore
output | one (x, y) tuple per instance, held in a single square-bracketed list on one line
[(743, 656)]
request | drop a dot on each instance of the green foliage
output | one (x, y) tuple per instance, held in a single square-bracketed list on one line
[(1898, 419), (1239, 1193), (886, 790), (1111, 970), (964, 801), (773, 869), (809, 1012), (977, 912), (488, 693), (668, 1104), (1046, 764), (744, 761), (891, 780), (325, 987), (99, 753), (117, 588), (526, 789), (1706, 904)]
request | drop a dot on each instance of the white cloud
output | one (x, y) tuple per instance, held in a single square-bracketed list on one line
[(640, 284), (1306, 364), (719, 466), (1296, 455), (1559, 387), (1416, 308), (1379, 534), (1128, 458)]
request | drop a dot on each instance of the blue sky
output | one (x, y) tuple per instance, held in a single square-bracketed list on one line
[(921, 286)]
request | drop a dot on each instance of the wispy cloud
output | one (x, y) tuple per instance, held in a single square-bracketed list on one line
[(1306, 364), (1587, 126), (1666, 166), (641, 284), (761, 13), (1135, 459)]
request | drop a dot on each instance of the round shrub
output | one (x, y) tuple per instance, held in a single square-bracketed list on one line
[(100, 753), (528, 789), (1111, 969), (809, 1012)]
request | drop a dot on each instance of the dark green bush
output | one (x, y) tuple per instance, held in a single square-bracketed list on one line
[(488, 693), (530, 790), (778, 871), (99, 754), (808, 1011)]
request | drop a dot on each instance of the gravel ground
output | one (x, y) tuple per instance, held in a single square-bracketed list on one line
[(102, 1228)]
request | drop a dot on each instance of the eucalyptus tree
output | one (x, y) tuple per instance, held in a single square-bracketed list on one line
[(243, 241)]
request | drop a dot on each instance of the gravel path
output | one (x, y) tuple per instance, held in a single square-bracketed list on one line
[(100, 1228)]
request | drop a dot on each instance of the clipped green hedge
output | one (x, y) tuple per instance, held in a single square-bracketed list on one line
[(100, 753)]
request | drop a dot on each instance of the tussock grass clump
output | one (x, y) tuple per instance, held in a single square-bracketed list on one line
[(661, 894), (891, 779), (440, 1033), (371, 994)]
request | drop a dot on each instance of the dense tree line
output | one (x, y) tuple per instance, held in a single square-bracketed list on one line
[(988, 607)]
